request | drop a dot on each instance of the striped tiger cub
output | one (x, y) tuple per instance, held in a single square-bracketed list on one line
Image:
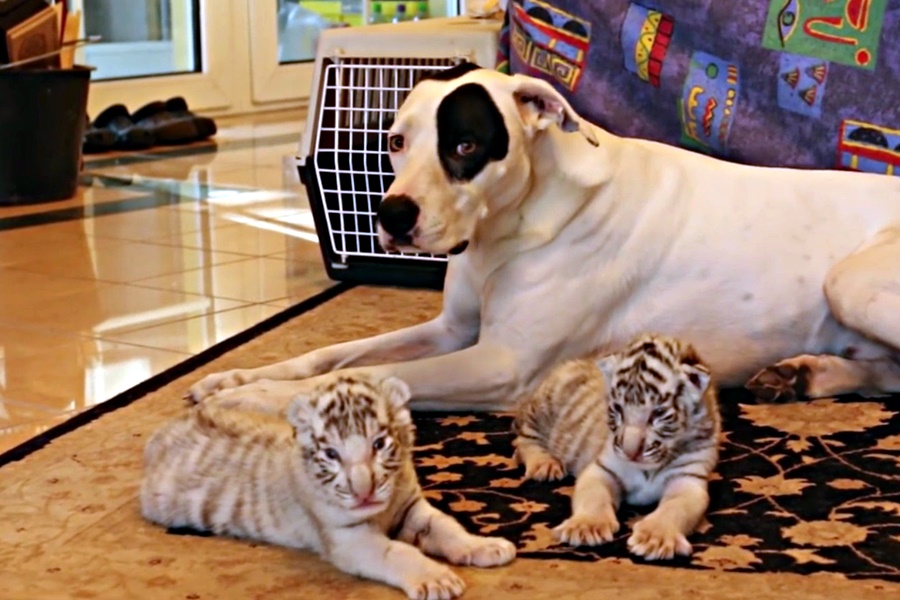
[(641, 426), (336, 477)]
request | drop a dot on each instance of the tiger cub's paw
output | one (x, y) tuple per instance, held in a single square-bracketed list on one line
[(543, 468), (483, 551), (588, 530), (654, 539), (438, 582)]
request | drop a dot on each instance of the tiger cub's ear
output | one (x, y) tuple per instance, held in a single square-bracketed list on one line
[(698, 375), (608, 365), (300, 411), (397, 392), (696, 372)]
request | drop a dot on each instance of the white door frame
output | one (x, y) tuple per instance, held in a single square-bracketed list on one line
[(271, 81)]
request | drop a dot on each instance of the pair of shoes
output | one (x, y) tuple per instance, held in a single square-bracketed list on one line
[(156, 124), (172, 123)]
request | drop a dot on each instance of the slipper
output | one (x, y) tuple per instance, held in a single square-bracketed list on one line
[(171, 128), (206, 127), (129, 135), (96, 141)]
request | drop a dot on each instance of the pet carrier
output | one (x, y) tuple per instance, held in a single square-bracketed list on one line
[(362, 75)]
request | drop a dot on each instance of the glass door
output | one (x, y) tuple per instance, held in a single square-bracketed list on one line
[(282, 64), (157, 49), (221, 56)]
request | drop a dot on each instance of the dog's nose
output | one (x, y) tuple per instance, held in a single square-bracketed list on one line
[(398, 215)]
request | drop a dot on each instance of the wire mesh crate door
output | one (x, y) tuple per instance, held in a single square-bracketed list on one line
[(357, 107)]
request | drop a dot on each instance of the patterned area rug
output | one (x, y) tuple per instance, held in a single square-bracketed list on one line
[(805, 488), (808, 488)]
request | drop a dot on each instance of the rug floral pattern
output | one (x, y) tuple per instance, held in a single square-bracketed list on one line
[(805, 488)]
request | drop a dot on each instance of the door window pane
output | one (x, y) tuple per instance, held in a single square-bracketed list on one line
[(301, 21), (142, 37)]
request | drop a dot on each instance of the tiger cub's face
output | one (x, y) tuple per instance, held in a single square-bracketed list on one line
[(653, 386), (354, 436)]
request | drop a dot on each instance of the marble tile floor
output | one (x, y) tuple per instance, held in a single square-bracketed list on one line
[(159, 256)]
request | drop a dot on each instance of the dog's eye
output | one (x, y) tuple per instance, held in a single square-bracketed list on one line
[(465, 148), (395, 143), (332, 454)]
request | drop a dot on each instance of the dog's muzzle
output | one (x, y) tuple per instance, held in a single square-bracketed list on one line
[(397, 216)]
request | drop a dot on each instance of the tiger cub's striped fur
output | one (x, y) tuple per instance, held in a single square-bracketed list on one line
[(559, 428), (650, 434), (336, 477)]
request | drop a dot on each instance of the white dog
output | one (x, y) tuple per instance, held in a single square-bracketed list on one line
[(568, 239)]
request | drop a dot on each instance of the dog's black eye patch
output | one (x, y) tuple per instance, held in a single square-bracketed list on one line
[(453, 72), (468, 115)]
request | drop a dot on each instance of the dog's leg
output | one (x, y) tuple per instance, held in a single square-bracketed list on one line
[(482, 377), (863, 292), (809, 376), (507, 360), (426, 339), (455, 328)]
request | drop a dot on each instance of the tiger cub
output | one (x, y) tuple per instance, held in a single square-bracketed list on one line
[(640, 425), (336, 477)]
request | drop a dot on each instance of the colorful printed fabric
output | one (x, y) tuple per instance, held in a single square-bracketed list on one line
[(798, 83)]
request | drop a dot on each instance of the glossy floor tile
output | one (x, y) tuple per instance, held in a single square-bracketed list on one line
[(260, 280), (195, 334), (58, 373), (116, 261), (159, 256)]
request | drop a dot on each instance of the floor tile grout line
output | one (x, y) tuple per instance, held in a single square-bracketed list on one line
[(159, 199), (75, 336), (29, 405), (243, 255), (80, 213), (134, 283), (233, 257), (53, 330), (251, 302), (245, 306)]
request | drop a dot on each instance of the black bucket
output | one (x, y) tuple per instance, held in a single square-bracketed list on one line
[(42, 120)]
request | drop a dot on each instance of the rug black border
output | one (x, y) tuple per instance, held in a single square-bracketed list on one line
[(166, 377)]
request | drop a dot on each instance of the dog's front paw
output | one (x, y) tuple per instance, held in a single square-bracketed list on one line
[(482, 551), (588, 530), (216, 382), (437, 582), (263, 395), (655, 539)]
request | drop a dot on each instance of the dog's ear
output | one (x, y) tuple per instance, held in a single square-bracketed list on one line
[(541, 106)]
